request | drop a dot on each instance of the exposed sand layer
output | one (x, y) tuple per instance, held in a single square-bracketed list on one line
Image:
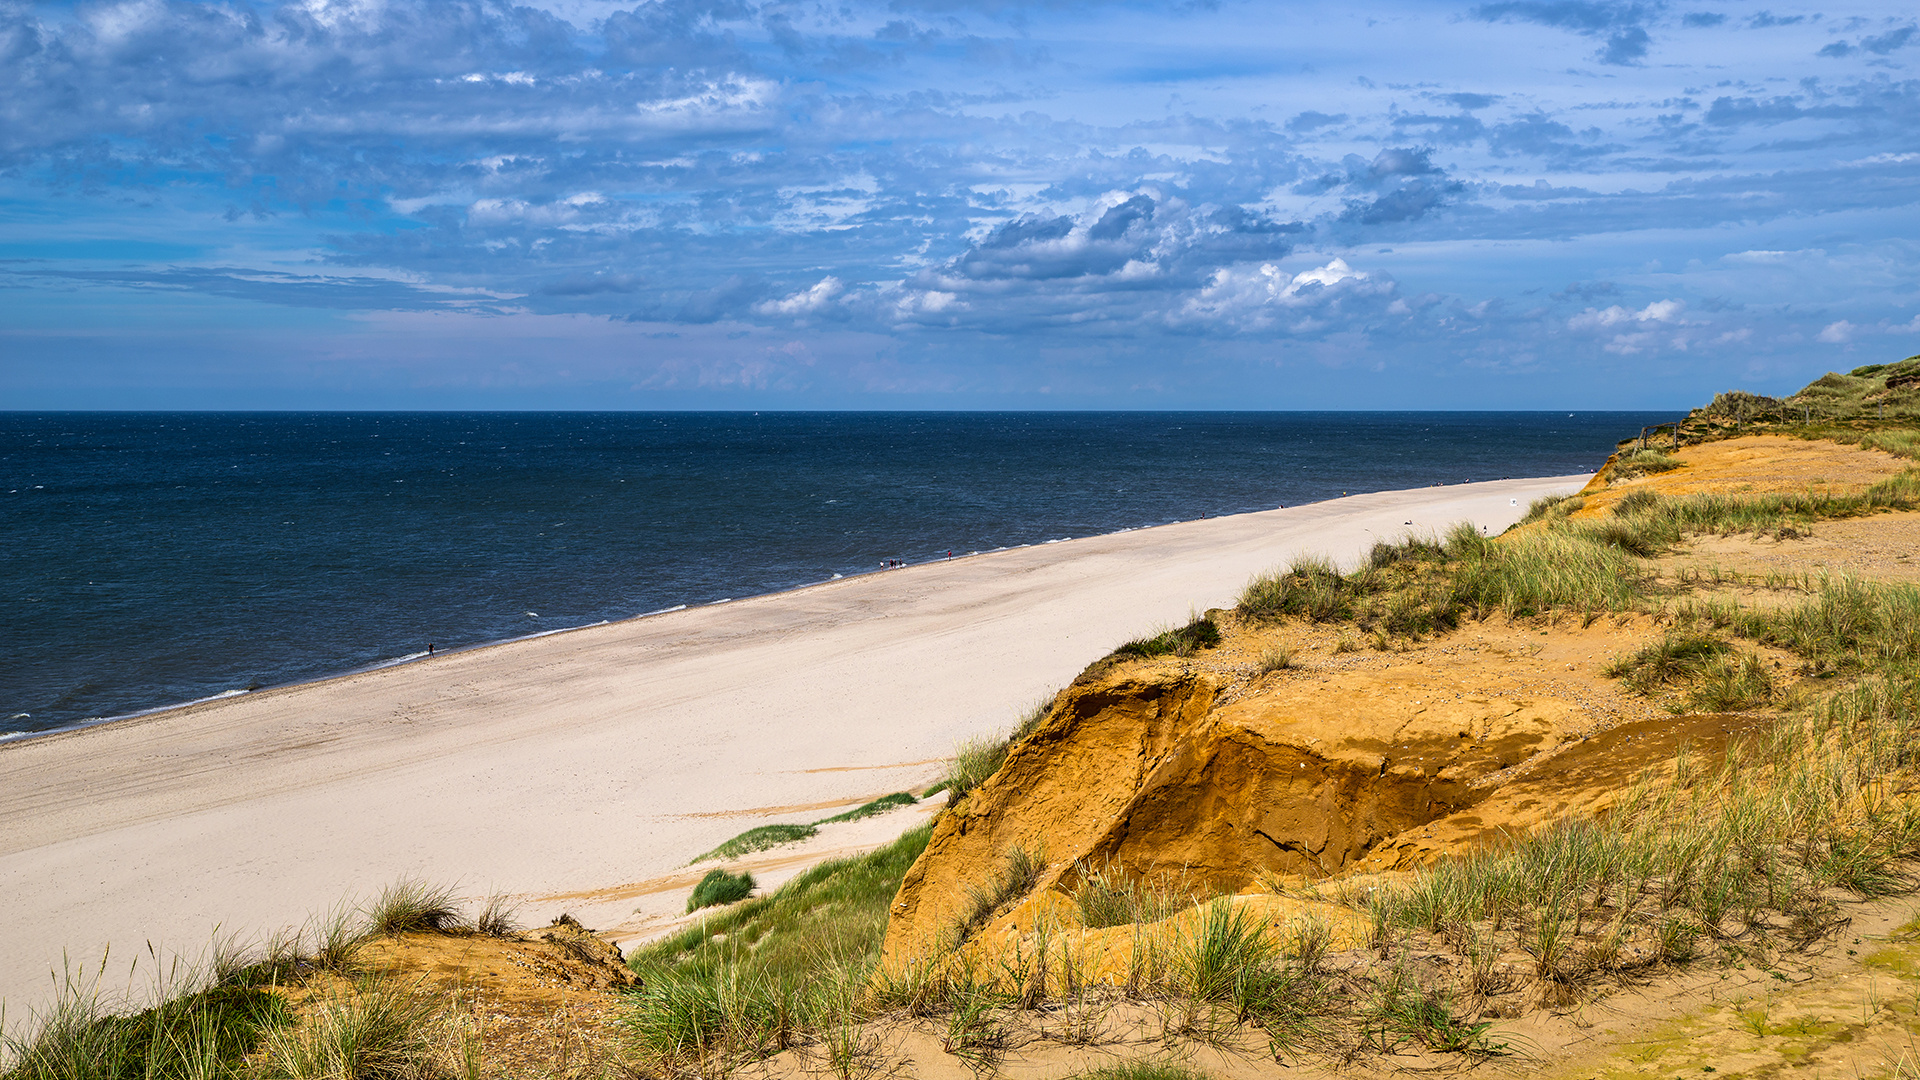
[(573, 763), (1753, 463)]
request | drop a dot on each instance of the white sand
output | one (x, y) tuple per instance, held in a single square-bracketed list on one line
[(565, 767)]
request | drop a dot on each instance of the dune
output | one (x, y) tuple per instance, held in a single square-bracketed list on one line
[(559, 768)]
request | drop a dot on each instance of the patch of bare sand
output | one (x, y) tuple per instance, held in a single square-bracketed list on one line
[(1753, 464), (1885, 547)]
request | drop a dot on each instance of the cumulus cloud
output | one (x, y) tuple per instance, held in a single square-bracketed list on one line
[(807, 301), (1252, 298), (1660, 311), (1837, 333)]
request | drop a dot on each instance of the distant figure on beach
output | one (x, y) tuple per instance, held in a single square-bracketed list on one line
[(949, 553), (429, 648)]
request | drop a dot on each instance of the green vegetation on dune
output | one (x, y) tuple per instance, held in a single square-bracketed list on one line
[(206, 1034), (719, 887), (759, 838), (878, 806), (766, 974), (1199, 633), (231, 1019), (764, 837)]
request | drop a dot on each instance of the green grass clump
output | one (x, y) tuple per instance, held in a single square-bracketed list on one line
[(204, 1035), (1110, 896), (378, 1030), (1674, 658), (773, 972), (1546, 506), (759, 838), (1019, 872), (412, 905), (1199, 634), (979, 758), (719, 887), (1311, 588), (1644, 462)]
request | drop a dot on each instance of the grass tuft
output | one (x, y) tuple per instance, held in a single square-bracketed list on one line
[(412, 905), (720, 887), (1018, 873), (377, 1030), (1199, 634)]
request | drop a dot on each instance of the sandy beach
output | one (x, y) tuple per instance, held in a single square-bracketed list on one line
[(563, 768)]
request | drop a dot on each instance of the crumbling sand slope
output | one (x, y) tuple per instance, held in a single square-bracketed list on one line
[(1200, 772)]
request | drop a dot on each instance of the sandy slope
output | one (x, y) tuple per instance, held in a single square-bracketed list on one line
[(606, 755)]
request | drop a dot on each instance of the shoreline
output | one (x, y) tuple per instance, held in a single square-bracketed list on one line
[(9, 738), (570, 762)]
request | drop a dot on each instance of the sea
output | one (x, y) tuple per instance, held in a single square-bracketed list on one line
[(152, 559)]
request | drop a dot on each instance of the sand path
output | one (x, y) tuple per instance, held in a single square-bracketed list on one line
[(570, 764)]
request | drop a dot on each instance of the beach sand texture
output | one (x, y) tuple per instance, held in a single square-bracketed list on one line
[(559, 766)]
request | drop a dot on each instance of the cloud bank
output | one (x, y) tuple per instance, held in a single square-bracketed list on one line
[(1112, 203)]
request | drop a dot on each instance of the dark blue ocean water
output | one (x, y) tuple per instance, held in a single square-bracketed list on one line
[(156, 558)]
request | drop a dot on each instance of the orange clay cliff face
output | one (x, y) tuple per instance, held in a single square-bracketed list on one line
[(1209, 775)]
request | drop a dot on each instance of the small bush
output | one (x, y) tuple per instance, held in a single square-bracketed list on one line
[(411, 905), (720, 887)]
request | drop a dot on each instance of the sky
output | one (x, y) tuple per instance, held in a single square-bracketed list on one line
[(951, 204)]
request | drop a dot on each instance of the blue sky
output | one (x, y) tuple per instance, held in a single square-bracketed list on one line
[(951, 203)]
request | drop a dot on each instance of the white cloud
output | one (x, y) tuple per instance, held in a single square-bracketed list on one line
[(1660, 311), (806, 301), (1253, 298), (1837, 333)]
